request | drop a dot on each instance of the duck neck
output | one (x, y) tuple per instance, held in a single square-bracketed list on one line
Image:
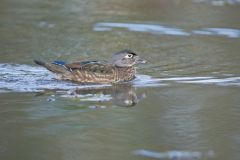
[(125, 73)]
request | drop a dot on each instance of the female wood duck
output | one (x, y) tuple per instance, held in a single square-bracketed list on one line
[(120, 69)]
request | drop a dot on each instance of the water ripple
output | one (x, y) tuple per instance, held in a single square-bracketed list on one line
[(26, 78), (173, 155), (158, 29), (218, 2), (151, 28)]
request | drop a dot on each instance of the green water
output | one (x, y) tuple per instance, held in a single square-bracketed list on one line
[(185, 99)]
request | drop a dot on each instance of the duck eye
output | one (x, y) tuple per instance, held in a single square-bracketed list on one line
[(129, 56)]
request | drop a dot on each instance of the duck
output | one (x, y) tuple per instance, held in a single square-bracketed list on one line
[(120, 68)]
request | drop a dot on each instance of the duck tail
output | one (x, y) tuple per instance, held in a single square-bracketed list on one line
[(59, 69), (40, 63)]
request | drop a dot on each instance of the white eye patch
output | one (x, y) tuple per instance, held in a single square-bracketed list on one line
[(129, 56)]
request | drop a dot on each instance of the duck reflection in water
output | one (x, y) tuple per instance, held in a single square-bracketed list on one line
[(123, 95)]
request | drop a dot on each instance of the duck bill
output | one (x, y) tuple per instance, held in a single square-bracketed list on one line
[(141, 61)]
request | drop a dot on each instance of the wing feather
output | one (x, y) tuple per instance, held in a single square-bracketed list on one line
[(95, 72)]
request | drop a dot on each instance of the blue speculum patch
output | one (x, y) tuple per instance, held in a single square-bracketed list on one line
[(58, 62)]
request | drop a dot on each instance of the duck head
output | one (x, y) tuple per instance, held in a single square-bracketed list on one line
[(126, 58)]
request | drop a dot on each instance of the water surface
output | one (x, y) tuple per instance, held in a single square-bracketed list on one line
[(184, 103)]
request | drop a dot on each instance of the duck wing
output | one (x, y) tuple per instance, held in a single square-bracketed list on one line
[(94, 73), (98, 68), (79, 65), (91, 66)]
